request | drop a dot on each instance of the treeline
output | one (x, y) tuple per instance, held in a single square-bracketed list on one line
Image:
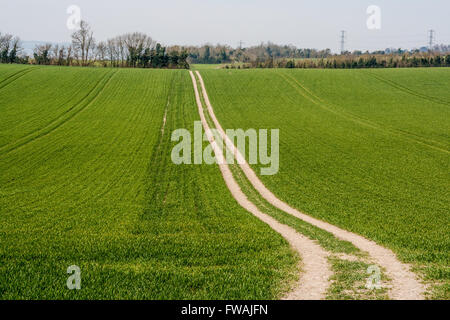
[(138, 50), (226, 54), (133, 50), (10, 49), (350, 61), (270, 55)]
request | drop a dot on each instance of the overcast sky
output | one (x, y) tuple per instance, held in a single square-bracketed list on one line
[(312, 23)]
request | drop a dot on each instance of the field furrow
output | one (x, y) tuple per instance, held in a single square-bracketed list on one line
[(408, 90), (13, 77), (66, 116), (364, 122)]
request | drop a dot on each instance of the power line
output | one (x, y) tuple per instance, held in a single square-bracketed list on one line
[(389, 41), (342, 41), (431, 34)]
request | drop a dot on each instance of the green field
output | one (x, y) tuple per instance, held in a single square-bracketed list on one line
[(206, 66), (364, 150), (86, 179)]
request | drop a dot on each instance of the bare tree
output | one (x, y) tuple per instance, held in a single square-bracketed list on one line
[(5, 41), (16, 50), (42, 54), (121, 46), (5, 45), (69, 56), (61, 56), (112, 51), (76, 57), (54, 54), (101, 52), (83, 41), (90, 47), (136, 43)]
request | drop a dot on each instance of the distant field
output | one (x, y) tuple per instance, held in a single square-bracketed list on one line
[(206, 66), (366, 150), (86, 179)]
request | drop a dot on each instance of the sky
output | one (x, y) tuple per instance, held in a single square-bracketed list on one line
[(306, 24)]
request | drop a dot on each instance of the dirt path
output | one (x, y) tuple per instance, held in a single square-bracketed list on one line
[(314, 280), (405, 285)]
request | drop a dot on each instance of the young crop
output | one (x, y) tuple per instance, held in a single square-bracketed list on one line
[(86, 180), (364, 150)]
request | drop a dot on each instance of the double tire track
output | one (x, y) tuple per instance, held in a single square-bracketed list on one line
[(82, 104), (309, 95), (13, 77), (314, 280), (405, 89)]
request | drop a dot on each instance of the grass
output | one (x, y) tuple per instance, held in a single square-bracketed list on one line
[(348, 281), (86, 179), (206, 66), (366, 150)]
